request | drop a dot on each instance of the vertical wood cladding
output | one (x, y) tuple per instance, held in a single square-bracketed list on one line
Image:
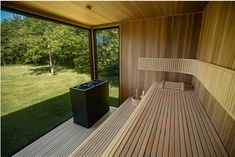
[(222, 121), (178, 37), (168, 37), (217, 46), (217, 37)]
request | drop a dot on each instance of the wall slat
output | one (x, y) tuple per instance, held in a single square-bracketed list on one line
[(219, 81), (217, 46), (158, 37)]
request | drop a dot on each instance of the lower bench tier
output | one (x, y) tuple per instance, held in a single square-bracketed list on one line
[(167, 122)]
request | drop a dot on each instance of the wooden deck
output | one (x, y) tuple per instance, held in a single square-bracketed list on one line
[(167, 123), (63, 140)]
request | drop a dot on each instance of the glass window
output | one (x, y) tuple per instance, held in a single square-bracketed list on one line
[(107, 56), (40, 61)]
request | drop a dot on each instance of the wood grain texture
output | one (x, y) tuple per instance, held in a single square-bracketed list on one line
[(62, 140), (167, 121), (219, 81), (99, 140), (217, 46), (221, 120), (104, 12), (217, 37), (175, 37)]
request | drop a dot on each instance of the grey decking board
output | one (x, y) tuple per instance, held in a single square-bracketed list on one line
[(62, 140)]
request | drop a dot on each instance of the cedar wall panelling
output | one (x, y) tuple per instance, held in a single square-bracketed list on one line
[(222, 121), (103, 12), (217, 46), (175, 37), (223, 84), (217, 37)]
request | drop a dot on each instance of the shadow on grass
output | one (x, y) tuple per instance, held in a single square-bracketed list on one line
[(113, 80), (114, 102), (45, 69), (22, 127), (25, 126)]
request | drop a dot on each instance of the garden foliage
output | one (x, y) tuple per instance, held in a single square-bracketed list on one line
[(26, 40)]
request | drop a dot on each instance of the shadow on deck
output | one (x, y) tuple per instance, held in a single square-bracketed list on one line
[(23, 127)]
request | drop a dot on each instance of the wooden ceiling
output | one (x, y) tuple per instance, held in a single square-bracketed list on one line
[(103, 12)]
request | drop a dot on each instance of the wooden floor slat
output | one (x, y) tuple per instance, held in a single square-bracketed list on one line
[(62, 140)]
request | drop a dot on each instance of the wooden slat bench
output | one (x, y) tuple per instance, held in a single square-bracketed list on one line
[(97, 142), (167, 122)]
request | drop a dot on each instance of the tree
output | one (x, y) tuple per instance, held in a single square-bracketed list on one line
[(59, 42), (107, 51), (26, 40), (81, 59), (12, 41)]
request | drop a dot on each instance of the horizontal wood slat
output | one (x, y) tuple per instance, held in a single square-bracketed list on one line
[(108, 131), (97, 142), (219, 81), (221, 120), (166, 37), (103, 12), (62, 140), (217, 46), (173, 85), (167, 123)]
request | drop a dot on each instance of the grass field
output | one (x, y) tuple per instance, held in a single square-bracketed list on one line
[(34, 102)]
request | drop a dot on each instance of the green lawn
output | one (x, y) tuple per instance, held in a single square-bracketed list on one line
[(34, 102)]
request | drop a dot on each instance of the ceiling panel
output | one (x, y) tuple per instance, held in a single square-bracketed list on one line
[(103, 12)]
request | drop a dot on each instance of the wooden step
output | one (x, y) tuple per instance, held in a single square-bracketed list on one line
[(97, 142)]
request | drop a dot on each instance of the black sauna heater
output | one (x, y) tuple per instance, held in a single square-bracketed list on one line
[(90, 101)]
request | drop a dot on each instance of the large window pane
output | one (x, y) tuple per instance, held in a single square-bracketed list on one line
[(40, 60), (107, 52)]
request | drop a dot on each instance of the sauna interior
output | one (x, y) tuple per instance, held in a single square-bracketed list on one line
[(182, 54)]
